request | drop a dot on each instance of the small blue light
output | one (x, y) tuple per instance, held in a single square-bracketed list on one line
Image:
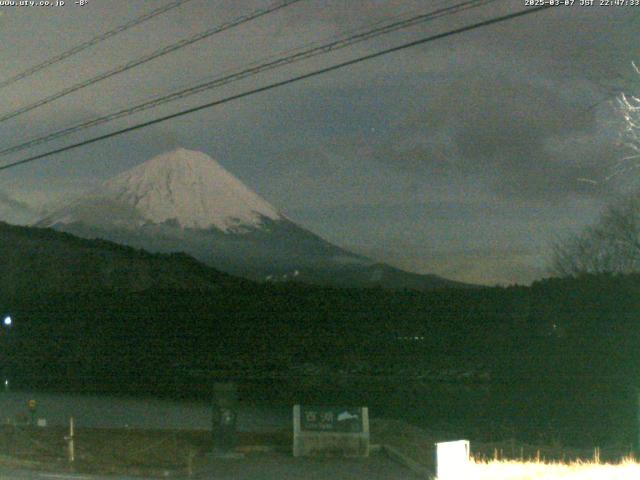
[(7, 321)]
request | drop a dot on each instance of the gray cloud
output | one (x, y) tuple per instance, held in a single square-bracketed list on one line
[(13, 203), (499, 129)]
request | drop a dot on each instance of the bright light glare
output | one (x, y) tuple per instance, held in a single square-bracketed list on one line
[(511, 470), (8, 321), (453, 460)]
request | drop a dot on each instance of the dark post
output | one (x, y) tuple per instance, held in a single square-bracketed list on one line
[(32, 404), (638, 423), (224, 416)]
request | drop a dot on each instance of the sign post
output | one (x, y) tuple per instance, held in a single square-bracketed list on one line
[(32, 405), (224, 412), (638, 423)]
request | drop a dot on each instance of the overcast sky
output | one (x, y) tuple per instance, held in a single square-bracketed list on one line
[(464, 157)]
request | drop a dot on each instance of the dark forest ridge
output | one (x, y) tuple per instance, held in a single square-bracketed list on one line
[(43, 260)]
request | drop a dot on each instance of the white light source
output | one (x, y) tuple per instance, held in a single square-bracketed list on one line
[(453, 460), (7, 321)]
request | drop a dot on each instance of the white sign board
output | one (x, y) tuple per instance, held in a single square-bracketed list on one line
[(330, 430)]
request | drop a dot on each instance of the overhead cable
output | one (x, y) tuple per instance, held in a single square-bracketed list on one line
[(91, 42), (280, 61), (282, 83)]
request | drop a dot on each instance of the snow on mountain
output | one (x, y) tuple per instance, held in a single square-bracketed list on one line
[(181, 186)]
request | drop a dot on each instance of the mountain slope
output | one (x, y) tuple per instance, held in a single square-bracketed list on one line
[(185, 201)]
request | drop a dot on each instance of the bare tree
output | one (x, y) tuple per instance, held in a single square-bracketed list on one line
[(612, 244), (629, 107)]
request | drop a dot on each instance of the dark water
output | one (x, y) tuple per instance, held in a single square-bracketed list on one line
[(568, 414), (585, 414)]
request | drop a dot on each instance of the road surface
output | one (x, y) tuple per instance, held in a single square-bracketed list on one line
[(10, 474), (262, 467)]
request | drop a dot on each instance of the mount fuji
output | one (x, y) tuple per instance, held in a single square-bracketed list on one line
[(184, 201)]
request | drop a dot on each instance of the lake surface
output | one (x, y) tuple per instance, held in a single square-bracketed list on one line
[(581, 415), (98, 411)]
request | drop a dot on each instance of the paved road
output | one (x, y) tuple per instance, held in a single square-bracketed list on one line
[(285, 467), (8, 474), (263, 467)]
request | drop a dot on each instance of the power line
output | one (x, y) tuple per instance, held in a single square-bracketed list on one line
[(297, 56), (282, 83), (90, 43), (152, 56)]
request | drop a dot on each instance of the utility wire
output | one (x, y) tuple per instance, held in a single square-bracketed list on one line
[(152, 56), (90, 43), (299, 55), (282, 83)]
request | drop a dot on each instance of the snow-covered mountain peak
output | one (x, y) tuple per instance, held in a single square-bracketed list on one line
[(190, 188)]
